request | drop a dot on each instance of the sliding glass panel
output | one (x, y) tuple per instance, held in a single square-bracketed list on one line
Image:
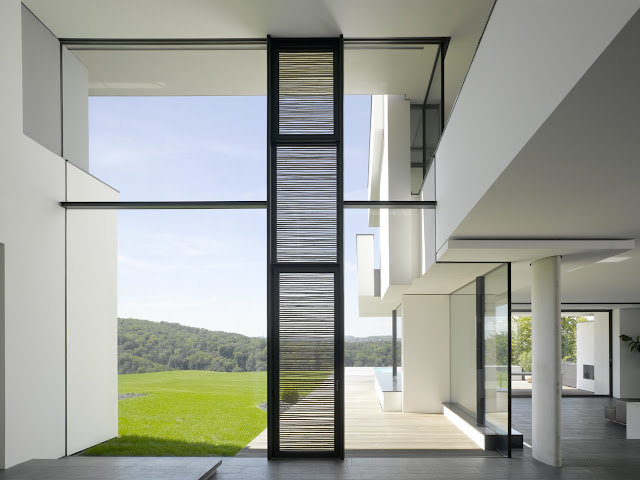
[(497, 354)]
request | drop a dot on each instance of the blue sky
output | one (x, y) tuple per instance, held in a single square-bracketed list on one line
[(207, 268)]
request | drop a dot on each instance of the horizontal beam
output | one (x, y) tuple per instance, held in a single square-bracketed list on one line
[(399, 204), (221, 205), (229, 205), (234, 43)]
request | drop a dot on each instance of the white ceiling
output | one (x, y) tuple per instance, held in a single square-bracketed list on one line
[(462, 20), (577, 178)]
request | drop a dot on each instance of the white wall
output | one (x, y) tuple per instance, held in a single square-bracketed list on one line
[(585, 347), (428, 224), (41, 83), (2, 355), (425, 353), (75, 100), (92, 329), (517, 78), (463, 364), (32, 183), (601, 353), (396, 266), (626, 364), (365, 263)]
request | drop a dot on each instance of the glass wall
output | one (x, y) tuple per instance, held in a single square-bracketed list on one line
[(496, 353), (463, 349), (480, 353)]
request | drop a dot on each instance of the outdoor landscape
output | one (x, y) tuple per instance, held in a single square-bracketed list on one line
[(148, 347), (187, 391)]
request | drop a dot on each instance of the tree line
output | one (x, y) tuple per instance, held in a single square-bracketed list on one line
[(145, 347)]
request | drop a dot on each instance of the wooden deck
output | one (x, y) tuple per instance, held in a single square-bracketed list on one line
[(368, 428)]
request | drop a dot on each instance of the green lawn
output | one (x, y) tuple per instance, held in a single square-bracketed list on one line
[(188, 413)]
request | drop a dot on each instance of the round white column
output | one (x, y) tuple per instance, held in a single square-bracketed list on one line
[(546, 361)]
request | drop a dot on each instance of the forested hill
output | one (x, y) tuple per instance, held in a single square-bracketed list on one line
[(145, 346)]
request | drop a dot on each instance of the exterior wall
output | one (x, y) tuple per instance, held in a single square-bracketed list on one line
[(626, 364), (92, 328), (32, 230), (512, 87), (425, 353), (365, 262), (396, 265), (585, 356)]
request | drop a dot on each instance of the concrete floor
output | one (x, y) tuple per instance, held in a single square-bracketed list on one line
[(593, 448), (115, 468)]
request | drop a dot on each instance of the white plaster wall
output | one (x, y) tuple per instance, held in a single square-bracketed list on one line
[(601, 353), (416, 241), (41, 83), (615, 352), (32, 183), (2, 355), (92, 329), (585, 353), (428, 254), (365, 263), (425, 353), (396, 262), (75, 99), (463, 365), (626, 364), (517, 78)]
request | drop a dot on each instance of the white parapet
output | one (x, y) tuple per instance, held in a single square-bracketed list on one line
[(365, 261)]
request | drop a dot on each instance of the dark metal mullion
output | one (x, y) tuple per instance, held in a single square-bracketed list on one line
[(338, 72), (397, 204), (480, 373), (184, 205), (399, 40), (442, 109), (300, 267), (305, 140), (509, 359), (162, 41), (252, 41), (273, 399)]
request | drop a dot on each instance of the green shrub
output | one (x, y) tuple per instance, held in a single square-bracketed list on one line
[(525, 361), (289, 395)]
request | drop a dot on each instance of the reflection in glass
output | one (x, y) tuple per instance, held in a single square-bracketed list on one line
[(496, 350)]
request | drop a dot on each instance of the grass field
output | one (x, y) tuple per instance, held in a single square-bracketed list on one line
[(188, 413)]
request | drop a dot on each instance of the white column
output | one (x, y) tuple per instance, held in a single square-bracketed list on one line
[(546, 360)]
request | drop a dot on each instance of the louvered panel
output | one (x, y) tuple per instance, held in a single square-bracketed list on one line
[(306, 331), (306, 204), (305, 93), (305, 248)]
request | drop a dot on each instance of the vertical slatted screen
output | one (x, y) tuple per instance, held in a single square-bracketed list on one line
[(305, 248), (306, 333), (307, 214)]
